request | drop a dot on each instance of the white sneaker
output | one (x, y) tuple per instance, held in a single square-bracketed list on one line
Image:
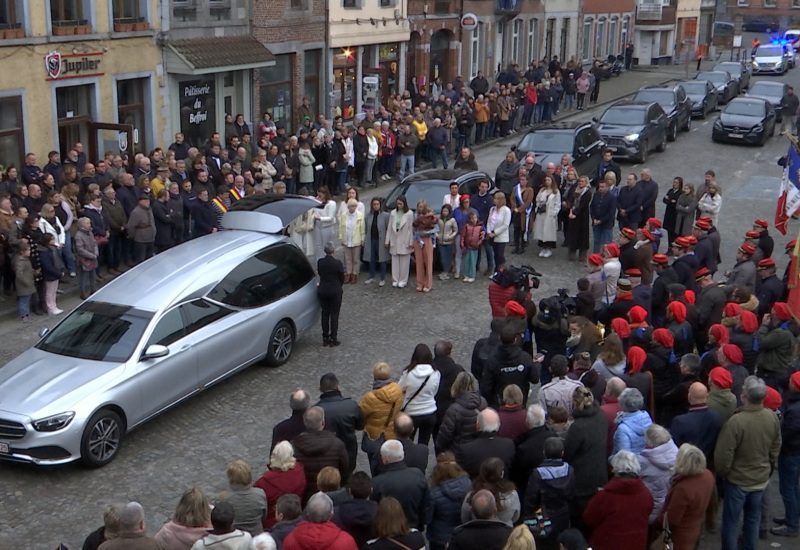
[(369, 281), (394, 284), (541, 253), (402, 285), (547, 253), (57, 311), (382, 283)]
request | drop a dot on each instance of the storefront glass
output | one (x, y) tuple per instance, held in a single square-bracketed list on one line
[(344, 91), (311, 70), (198, 110), (276, 90), (130, 107), (11, 132), (73, 105)]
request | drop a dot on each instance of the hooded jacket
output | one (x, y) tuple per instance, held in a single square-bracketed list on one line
[(459, 421), (511, 366), (655, 472), (355, 517), (551, 487), (425, 400), (618, 515), (776, 349), (314, 536), (444, 514), (630, 432)]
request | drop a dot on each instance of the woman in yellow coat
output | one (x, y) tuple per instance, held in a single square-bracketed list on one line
[(352, 231), (379, 408)]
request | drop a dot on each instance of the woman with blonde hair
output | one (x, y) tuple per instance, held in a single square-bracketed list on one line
[(685, 505), (459, 418), (379, 408), (190, 522), (520, 539), (249, 503), (284, 476)]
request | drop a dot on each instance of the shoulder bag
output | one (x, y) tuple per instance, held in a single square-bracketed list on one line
[(373, 446), (416, 393), (664, 539)]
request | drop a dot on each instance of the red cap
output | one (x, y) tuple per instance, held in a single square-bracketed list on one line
[(662, 259), (621, 327), (752, 234), (706, 219), (766, 263), (781, 310), (654, 222), (720, 377), (791, 244), (731, 309), (749, 321), (682, 242), (761, 223), (633, 272), (613, 250), (637, 314), (773, 399), (795, 379), (595, 259), (747, 248), (690, 296), (664, 337), (691, 239), (733, 354), (702, 224), (636, 358), (720, 333), (701, 273), (628, 233), (647, 235), (678, 311), (463, 198), (516, 309)]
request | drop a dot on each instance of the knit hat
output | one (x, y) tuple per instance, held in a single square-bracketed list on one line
[(731, 309), (733, 353), (690, 297), (661, 259), (664, 337), (721, 377), (624, 285), (654, 222), (515, 309), (678, 311), (621, 327), (720, 334), (781, 310), (637, 314), (773, 399), (636, 358), (613, 250), (595, 259), (749, 321)]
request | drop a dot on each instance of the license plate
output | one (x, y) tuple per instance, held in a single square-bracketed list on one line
[(4, 448), (736, 135)]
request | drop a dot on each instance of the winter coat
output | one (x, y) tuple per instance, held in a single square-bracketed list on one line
[(603, 208), (114, 214), (545, 226), (354, 517), (512, 421), (448, 230), (655, 472), (343, 417), (583, 84), (747, 447), (179, 537), (315, 450), (618, 515), (414, 540), (383, 224), (508, 508), (578, 229), (700, 427), (51, 264), (415, 455), (790, 427), (400, 240), (551, 487), (630, 432), (482, 445), (307, 161), (165, 222), (425, 401), (528, 455), (276, 483), (314, 536), (459, 420), (250, 507), (359, 229), (449, 371), (710, 206), (85, 245), (480, 534), (409, 487), (444, 514), (379, 409), (141, 226), (511, 365), (472, 236), (140, 541), (506, 176), (776, 349), (559, 393), (585, 449), (685, 508), (23, 270), (685, 214)]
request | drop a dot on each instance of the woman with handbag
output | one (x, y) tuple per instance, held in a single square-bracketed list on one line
[(379, 408), (420, 382), (685, 506)]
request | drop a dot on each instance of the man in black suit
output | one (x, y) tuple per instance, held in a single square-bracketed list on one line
[(288, 429), (449, 370), (484, 444), (415, 455), (342, 415), (329, 291)]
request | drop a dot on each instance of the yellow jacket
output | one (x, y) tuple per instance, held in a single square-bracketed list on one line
[(359, 229), (421, 128), (376, 406)]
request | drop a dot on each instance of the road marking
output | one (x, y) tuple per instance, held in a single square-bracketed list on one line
[(704, 123)]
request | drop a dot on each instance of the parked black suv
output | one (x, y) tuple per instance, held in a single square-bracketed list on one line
[(631, 129), (551, 140), (674, 101)]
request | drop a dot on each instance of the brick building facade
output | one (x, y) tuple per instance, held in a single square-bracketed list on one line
[(295, 33), (434, 48)]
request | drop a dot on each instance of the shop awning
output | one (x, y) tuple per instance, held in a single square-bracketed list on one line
[(197, 56)]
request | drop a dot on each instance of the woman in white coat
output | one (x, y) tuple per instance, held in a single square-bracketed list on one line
[(710, 203), (547, 207), (420, 383), (400, 240), (324, 221), (497, 228)]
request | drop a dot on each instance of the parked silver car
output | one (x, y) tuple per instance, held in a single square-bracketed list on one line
[(163, 331)]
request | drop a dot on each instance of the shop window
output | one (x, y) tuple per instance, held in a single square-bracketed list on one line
[(130, 12), (276, 90), (12, 132), (69, 13), (311, 65), (130, 107), (74, 109)]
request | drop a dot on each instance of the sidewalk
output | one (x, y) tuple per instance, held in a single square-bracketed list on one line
[(610, 91)]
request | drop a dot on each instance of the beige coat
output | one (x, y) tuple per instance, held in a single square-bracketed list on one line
[(400, 241)]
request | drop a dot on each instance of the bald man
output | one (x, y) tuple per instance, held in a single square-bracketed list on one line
[(288, 429), (700, 426), (485, 444)]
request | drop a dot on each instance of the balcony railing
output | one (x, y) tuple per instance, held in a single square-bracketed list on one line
[(648, 12)]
